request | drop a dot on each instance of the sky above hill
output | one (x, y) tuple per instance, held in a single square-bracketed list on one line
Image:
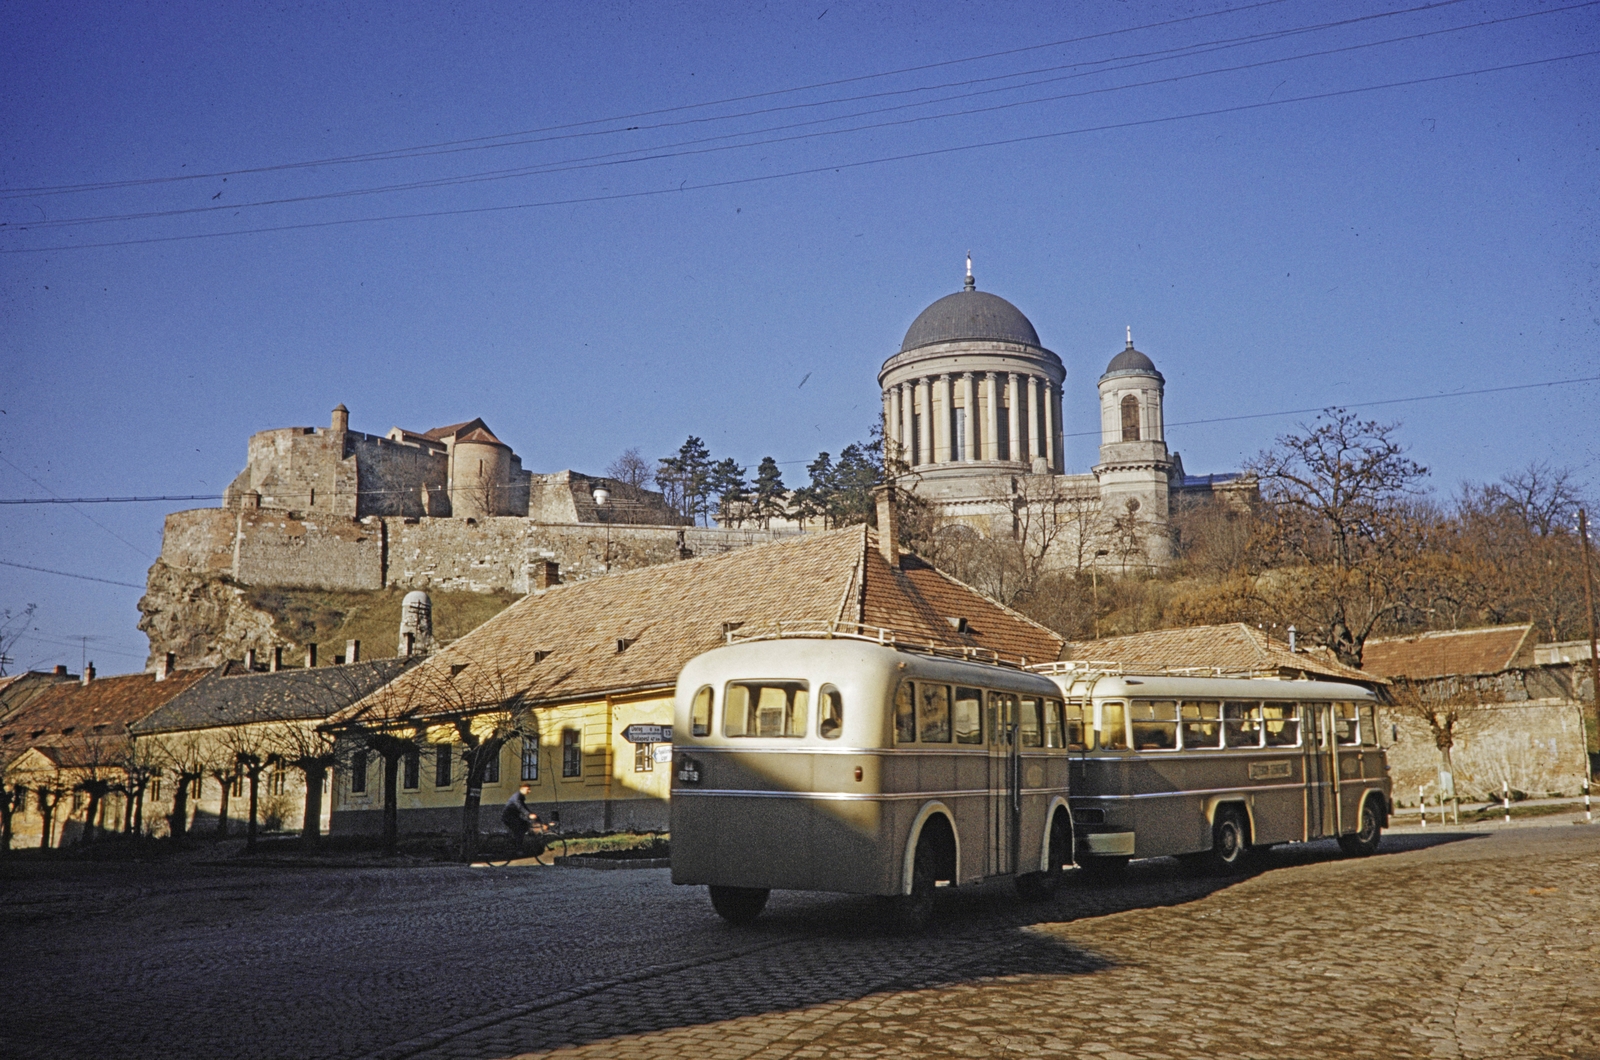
[(606, 225)]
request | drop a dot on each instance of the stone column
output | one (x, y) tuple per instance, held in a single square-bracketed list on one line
[(974, 435), (991, 416), (1013, 434), (1034, 418), (943, 419), (1050, 426), (891, 422), (925, 440), (907, 403)]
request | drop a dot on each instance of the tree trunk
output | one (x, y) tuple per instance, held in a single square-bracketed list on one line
[(250, 830), (391, 803), (477, 765), (226, 780), (47, 813), (138, 810), (178, 822), (88, 818), (311, 829)]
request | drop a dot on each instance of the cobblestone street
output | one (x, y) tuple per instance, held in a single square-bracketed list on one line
[(1464, 944)]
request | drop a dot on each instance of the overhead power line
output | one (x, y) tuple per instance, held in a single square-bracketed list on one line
[(110, 500), (69, 574), (812, 170)]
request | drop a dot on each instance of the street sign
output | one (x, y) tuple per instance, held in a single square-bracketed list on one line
[(648, 734)]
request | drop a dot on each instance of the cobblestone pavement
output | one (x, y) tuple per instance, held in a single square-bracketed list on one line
[(1458, 945)]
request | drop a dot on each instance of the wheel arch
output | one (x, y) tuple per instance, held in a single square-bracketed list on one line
[(1219, 802), (908, 857), (1057, 804), (1374, 795)]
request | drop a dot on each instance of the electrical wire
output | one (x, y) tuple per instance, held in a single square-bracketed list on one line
[(69, 574)]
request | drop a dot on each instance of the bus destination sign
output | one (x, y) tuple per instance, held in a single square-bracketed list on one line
[(648, 734)]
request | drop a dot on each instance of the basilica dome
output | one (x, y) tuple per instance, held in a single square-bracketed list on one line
[(970, 316)]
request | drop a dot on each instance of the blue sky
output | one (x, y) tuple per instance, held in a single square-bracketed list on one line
[(1271, 252)]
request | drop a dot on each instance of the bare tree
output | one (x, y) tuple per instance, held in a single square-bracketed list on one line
[(187, 759), (310, 751), (13, 799), (226, 771), (631, 469), (138, 766), (48, 795), (1446, 707), (12, 627)]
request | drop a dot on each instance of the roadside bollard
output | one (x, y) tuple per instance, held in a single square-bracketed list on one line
[(1505, 797), (1588, 814), (1422, 806)]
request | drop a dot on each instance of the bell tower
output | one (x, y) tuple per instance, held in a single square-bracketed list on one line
[(1135, 467)]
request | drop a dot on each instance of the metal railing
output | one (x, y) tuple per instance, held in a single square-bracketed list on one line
[(900, 640)]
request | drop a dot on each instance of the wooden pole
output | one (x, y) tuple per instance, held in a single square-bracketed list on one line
[(1588, 599)]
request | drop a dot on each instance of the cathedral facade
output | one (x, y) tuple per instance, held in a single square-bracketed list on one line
[(973, 427)]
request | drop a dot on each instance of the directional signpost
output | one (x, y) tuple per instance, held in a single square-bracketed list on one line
[(648, 734)]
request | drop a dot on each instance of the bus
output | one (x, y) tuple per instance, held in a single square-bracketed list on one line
[(1210, 769), (860, 764)]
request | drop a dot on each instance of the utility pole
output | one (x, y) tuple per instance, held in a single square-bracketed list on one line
[(1588, 599)]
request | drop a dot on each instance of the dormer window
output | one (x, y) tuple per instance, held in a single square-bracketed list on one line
[(1130, 419)]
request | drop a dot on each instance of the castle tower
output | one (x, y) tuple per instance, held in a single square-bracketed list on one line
[(480, 475), (972, 392), (1135, 467)]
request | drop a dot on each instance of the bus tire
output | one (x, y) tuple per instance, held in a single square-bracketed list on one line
[(908, 914), (1369, 833), (1102, 867), (1038, 886), (739, 905), (1230, 842)]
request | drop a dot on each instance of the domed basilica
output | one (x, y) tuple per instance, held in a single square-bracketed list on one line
[(973, 426)]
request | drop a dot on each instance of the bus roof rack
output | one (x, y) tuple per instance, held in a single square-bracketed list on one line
[(1118, 668), (900, 640)]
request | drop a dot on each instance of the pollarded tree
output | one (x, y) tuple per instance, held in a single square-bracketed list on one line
[(13, 799), (187, 759)]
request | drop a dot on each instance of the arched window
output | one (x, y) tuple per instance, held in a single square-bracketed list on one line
[(1130, 419)]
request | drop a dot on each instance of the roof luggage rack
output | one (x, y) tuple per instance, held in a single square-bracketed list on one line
[(900, 640), (1102, 668)]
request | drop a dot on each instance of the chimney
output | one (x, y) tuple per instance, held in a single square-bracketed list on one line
[(169, 663), (311, 656), (250, 661), (59, 671), (888, 525), (1293, 644), (352, 651), (277, 660), (88, 673), (546, 572), (341, 417), (410, 643)]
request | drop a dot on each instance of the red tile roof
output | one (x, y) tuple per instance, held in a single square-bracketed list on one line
[(1491, 650), (69, 713), (1232, 648)]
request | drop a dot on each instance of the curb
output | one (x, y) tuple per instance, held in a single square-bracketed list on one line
[(579, 861)]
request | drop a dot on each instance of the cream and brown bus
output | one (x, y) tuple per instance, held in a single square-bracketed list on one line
[(856, 764), (1211, 768)]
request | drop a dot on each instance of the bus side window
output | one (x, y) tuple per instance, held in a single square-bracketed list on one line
[(1369, 727), (700, 713), (1202, 725), (905, 714), (831, 721), (1077, 739), (1113, 733), (1155, 725), (969, 716), (1241, 724), (933, 713), (1345, 733), (1028, 723), (1281, 722), (1054, 735)]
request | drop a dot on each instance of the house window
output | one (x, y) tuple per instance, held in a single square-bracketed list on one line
[(644, 758), (199, 785), (155, 790), (238, 785), (441, 765), (530, 758), (358, 774), (571, 754), (412, 772), (1130, 419), (275, 781), (491, 768)]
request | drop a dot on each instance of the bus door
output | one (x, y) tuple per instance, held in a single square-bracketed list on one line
[(1321, 771), (1005, 791)]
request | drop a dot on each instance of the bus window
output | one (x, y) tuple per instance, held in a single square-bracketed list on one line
[(1369, 728), (700, 713), (1202, 725), (1077, 739), (969, 716), (1281, 723), (1054, 736), (1029, 725), (1241, 724), (1113, 735), (766, 708), (933, 713), (1155, 724), (831, 704), (1345, 733), (905, 714)]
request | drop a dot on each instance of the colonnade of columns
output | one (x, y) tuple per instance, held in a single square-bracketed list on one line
[(925, 423)]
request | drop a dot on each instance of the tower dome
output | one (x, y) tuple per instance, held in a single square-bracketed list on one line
[(1131, 362), (970, 316)]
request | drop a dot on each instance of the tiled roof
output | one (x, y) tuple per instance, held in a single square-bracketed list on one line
[(232, 699), (1491, 650), (462, 432), (72, 712), (1232, 648), (563, 643)]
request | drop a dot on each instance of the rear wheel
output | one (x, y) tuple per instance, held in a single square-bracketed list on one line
[(910, 913), (1230, 842), (1369, 832), (739, 905), (1037, 886)]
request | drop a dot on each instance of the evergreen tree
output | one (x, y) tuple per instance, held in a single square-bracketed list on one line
[(726, 480), (770, 501)]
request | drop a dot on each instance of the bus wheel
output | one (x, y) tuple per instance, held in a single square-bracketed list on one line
[(1367, 836), (1230, 842), (910, 913), (739, 905), (1103, 866), (1037, 886)]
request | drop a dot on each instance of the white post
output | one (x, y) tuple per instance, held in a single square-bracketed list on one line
[(1588, 813), (1422, 806), (1505, 797)]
